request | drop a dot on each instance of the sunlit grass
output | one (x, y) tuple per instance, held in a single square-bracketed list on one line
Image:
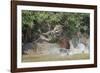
[(38, 58)]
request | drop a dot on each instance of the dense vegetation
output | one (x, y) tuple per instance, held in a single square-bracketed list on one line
[(37, 22)]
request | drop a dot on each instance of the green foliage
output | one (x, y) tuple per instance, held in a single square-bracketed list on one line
[(43, 21)]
